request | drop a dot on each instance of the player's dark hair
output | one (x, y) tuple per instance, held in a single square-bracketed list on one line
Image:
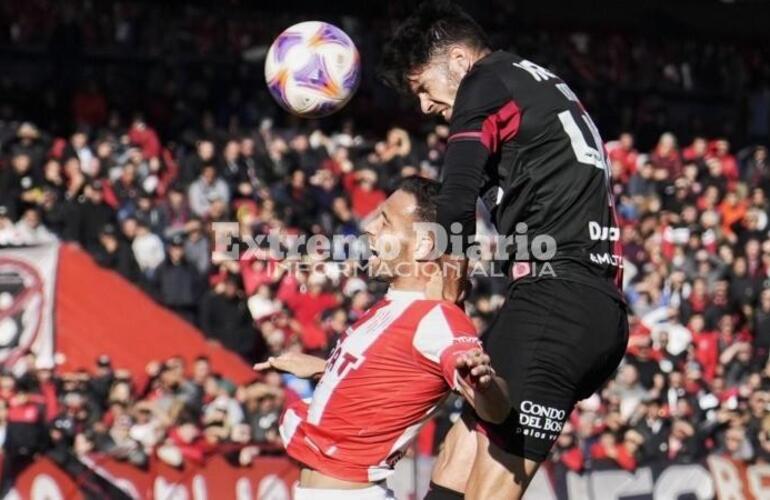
[(434, 26), (425, 192)]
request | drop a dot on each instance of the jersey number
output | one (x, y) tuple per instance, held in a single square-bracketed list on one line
[(583, 152)]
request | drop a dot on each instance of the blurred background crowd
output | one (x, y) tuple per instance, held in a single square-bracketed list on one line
[(128, 128)]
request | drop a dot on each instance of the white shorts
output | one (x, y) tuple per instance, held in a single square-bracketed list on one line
[(376, 492)]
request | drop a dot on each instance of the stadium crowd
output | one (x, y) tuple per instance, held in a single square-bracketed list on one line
[(694, 224), (141, 194)]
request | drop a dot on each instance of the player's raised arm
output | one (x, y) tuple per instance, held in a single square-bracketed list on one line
[(483, 118)]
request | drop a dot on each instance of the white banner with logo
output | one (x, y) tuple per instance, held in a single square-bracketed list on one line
[(27, 294)]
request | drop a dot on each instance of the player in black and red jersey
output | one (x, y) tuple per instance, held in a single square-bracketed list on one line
[(520, 139)]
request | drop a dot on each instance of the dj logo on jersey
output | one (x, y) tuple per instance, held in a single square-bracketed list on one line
[(22, 302)]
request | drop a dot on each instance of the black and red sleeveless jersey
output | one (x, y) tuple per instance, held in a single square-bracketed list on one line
[(521, 139)]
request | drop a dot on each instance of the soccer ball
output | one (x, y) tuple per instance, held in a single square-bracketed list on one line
[(312, 69)]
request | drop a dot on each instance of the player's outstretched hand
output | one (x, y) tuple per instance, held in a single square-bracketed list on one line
[(475, 367), (298, 364)]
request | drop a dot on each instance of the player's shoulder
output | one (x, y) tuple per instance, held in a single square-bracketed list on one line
[(447, 315), (484, 81)]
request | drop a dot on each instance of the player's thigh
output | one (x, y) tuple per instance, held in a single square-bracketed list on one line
[(550, 342), (497, 475), (454, 461)]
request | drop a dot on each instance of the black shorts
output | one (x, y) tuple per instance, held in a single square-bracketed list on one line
[(555, 342)]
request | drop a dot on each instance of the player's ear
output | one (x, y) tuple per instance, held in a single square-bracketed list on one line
[(459, 59), (424, 249)]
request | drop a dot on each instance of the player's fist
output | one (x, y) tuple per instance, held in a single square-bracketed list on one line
[(475, 366), (298, 364)]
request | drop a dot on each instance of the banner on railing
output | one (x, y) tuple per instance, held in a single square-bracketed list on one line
[(27, 283), (717, 477), (272, 478), (267, 478)]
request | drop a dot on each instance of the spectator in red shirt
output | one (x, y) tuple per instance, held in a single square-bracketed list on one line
[(141, 135), (697, 151), (364, 195), (706, 346), (608, 452), (720, 149), (307, 300), (623, 152), (566, 451)]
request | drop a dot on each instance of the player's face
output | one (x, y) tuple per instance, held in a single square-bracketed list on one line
[(391, 236), (435, 85)]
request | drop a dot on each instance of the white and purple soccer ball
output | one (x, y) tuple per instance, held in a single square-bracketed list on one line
[(312, 69)]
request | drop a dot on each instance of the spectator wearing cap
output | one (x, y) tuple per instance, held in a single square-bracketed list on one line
[(177, 283), (206, 189), (225, 318), (113, 253)]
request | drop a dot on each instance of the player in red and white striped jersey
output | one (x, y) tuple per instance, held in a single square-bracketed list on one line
[(390, 370)]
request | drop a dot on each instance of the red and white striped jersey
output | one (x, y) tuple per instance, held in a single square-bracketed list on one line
[(384, 379)]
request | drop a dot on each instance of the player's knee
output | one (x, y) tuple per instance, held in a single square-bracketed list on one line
[(438, 492)]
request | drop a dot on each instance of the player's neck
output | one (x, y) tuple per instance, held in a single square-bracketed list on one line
[(481, 54), (409, 284)]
